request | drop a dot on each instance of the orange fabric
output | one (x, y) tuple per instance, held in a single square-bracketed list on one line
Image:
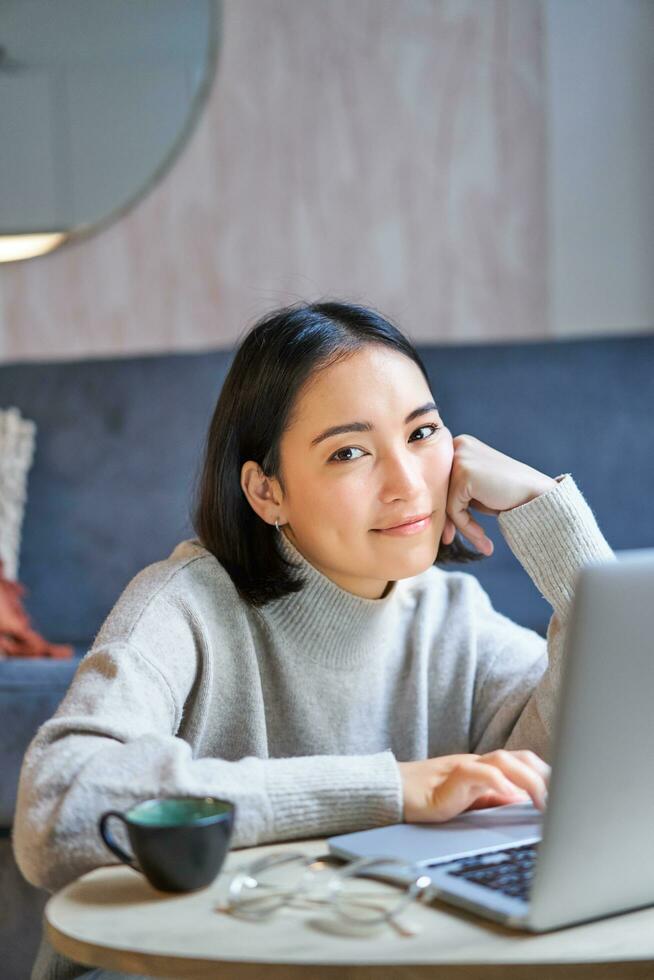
[(17, 638)]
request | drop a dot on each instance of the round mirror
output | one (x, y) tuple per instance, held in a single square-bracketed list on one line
[(97, 98)]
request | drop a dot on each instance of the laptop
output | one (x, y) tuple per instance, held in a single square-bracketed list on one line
[(591, 854)]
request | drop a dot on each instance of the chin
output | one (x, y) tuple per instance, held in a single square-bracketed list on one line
[(414, 565)]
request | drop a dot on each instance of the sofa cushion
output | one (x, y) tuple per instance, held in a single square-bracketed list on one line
[(30, 692), (118, 444)]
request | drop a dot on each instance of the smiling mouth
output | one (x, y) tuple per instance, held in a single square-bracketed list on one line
[(413, 520)]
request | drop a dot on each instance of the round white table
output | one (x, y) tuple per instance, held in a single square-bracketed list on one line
[(113, 918)]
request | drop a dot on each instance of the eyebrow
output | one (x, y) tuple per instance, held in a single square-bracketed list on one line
[(337, 430)]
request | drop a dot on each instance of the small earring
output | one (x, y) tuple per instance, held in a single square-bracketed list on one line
[(277, 525)]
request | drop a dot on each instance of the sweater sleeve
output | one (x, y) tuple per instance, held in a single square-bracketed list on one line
[(553, 536), (112, 743)]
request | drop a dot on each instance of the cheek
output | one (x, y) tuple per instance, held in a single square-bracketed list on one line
[(330, 502), (349, 499)]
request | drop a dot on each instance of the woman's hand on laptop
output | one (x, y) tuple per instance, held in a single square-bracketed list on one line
[(439, 789), (488, 481)]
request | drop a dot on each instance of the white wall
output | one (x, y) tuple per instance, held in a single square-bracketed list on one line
[(600, 105)]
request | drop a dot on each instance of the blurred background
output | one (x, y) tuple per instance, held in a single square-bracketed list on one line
[(479, 170)]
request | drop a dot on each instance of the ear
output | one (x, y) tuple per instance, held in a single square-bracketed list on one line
[(263, 493)]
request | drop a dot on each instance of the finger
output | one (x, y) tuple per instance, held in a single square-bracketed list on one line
[(474, 532), (482, 508), (519, 772), (456, 508), (530, 759), (499, 799), (535, 761), (448, 532), (464, 785)]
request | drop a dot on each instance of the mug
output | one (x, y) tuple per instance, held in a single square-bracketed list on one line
[(179, 843)]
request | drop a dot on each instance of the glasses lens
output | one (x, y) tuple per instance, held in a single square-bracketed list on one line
[(260, 889), (360, 898)]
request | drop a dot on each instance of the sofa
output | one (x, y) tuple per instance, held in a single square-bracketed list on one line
[(118, 449)]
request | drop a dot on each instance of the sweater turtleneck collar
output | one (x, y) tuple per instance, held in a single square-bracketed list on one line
[(328, 623)]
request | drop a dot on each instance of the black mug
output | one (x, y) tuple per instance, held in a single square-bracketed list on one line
[(179, 843)]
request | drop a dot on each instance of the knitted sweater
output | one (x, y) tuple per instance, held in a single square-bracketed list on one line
[(300, 710)]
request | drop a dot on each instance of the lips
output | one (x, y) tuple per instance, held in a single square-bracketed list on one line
[(413, 519)]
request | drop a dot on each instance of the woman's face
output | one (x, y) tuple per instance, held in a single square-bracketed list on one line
[(342, 488)]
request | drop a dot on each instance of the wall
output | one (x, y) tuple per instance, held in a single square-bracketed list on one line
[(395, 153), (600, 72)]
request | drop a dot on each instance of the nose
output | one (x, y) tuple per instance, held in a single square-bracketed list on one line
[(402, 476)]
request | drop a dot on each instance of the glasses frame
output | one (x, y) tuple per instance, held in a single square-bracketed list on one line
[(243, 906)]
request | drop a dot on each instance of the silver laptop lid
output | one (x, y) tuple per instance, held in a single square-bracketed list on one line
[(597, 852)]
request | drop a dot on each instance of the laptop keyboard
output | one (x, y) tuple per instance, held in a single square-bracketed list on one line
[(507, 871)]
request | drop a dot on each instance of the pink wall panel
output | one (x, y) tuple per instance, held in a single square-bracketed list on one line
[(388, 151)]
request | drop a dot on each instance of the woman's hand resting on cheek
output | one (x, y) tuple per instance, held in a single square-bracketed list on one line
[(490, 482), (439, 789)]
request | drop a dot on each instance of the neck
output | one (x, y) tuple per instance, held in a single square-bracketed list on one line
[(350, 628)]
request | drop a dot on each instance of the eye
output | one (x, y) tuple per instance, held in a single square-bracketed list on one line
[(432, 427), (348, 449), (340, 455)]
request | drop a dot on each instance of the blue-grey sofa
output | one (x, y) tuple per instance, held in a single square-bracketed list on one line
[(118, 449)]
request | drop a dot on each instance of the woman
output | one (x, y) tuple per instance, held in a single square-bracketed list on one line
[(307, 656)]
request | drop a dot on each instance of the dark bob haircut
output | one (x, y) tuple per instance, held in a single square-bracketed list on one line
[(272, 363)]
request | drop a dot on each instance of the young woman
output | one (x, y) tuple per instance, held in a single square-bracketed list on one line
[(307, 655)]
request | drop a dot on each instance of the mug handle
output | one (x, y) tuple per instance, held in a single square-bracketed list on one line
[(110, 841)]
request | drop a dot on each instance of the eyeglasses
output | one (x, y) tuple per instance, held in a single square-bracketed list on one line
[(260, 888)]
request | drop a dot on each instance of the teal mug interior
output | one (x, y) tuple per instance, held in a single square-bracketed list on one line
[(178, 811)]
